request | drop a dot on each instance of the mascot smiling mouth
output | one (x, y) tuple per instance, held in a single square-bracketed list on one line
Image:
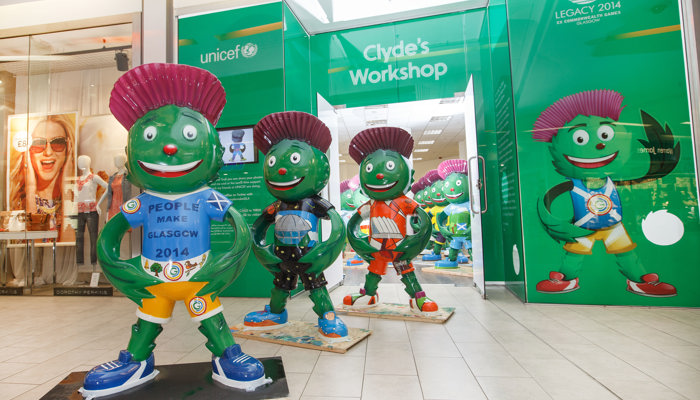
[(169, 171), (381, 188), (285, 185), (591, 162)]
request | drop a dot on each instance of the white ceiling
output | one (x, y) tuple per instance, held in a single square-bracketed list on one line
[(416, 117), (44, 53), (319, 16)]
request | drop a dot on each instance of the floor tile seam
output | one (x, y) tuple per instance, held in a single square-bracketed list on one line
[(569, 360), (415, 362), (651, 346), (523, 377)]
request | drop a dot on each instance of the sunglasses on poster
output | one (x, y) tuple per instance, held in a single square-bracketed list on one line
[(39, 145)]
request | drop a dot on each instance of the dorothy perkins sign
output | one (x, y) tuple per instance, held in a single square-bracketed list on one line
[(388, 54)]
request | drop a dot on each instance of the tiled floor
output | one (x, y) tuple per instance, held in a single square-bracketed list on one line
[(495, 349)]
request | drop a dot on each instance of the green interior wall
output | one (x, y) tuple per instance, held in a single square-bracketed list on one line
[(501, 127), (560, 48)]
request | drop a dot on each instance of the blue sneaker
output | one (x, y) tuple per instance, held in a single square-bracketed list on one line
[(462, 259), (265, 319), (432, 257), (237, 369), (446, 264), (117, 376), (332, 328)]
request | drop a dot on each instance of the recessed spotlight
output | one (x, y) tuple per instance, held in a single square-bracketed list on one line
[(426, 142)]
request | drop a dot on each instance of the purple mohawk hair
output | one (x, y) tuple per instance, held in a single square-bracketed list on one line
[(602, 103)]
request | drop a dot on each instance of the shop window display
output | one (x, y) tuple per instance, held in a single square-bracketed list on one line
[(54, 92)]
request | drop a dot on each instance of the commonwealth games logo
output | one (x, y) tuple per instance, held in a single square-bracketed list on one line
[(131, 206), (174, 271), (198, 306), (599, 204)]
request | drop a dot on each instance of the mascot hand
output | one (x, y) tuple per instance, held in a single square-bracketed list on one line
[(362, 247), (129, 278), (267, 258), (559, 230)]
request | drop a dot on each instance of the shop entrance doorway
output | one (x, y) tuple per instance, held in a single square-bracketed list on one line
[(442, 128)]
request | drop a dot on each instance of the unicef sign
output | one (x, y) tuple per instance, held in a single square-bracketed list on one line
[(248, 50)]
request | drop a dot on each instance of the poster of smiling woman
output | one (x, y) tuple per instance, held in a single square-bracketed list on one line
[(41, 154)]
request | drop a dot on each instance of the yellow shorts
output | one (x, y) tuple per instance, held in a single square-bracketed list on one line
[(159, 309), (615, 238)]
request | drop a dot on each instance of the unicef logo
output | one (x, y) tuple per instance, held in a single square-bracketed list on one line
[(583, 1), (249, 50), (599, 204), (198, 306)]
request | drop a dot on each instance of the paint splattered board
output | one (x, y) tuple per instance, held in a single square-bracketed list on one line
[(398, 311), (301, 334), (460, 271)]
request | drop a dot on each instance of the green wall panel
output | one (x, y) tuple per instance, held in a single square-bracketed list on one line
[(244, 49), (560, 48)]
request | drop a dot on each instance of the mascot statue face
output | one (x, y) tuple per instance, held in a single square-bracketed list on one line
[(385, 175), (295, 170), (437, 195), (455, 188), (173, 150)]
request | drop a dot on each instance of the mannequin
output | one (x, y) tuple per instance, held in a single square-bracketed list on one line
[(88, 212), (118, 188)]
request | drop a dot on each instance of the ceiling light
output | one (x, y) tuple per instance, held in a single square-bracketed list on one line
[(375, 122), (420, 150), (417, 159), (432, 132), (439, 118), (426, 142)]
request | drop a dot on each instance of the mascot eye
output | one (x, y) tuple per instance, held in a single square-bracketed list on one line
[(446, 185), (189, 132), (295, 158), (606, 133), (369, 168), (580, 137), (150, 133), (432, 190), (390, 165), (458, 183), (271, 161)]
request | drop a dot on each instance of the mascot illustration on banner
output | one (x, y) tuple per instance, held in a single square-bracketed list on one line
[(173, 153), (385, 176), (296, 169), (591, 148)]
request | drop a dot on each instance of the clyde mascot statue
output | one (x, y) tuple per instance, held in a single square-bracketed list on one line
[(296, 170), (385, 176), (173, 153)]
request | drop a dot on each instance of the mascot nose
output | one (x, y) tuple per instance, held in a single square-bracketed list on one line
[(170, 149), (380, 176), (600, 146), (452, 190), (282, 171)]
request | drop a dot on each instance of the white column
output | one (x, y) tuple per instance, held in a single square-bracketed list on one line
[(156, 24)]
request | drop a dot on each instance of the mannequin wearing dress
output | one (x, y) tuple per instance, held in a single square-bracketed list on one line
[(118, 188), (88, 212)]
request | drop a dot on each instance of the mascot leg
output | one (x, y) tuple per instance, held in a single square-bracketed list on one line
[(329, 325), (133, 367), (638, 280), (231, 367)]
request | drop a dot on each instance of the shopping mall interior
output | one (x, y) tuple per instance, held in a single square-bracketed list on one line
[(572, 124)]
